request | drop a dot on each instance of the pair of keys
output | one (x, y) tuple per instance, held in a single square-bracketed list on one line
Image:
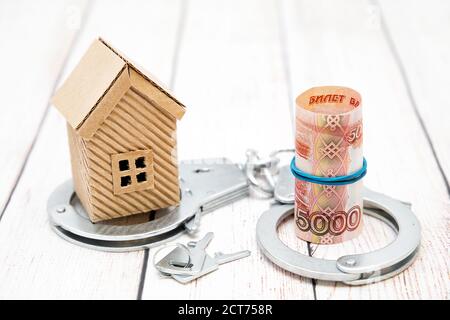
[(189, 262)]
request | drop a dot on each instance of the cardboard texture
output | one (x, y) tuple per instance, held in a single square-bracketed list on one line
[(121, 129)]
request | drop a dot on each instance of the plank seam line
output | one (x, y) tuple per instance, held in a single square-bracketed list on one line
[(143, 274), (288, 79), (179, 38), (404, 76), (313, 281), (175, 59), (46, 111), (285, 59)]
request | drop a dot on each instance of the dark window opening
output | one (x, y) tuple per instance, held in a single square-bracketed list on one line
[(125, 181), (140, 162), (124, 165), (141, 177)]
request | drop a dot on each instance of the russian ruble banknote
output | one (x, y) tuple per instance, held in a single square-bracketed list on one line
[(328, 143)]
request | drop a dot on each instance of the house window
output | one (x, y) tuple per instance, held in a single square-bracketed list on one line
[(132, 171)]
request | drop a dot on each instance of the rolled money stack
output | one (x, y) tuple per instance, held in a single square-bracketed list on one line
[(328, 144)]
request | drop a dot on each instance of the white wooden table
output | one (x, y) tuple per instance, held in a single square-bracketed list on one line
[(237, 65)]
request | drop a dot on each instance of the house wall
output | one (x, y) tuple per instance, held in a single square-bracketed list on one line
[(79, 167), (134, 124)]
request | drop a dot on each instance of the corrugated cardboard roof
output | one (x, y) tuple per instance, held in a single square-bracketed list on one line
[(98, 82)]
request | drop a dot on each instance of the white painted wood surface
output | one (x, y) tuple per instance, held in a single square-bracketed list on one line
[(238, 67), (237, 100), (348, 47), (39, 264), (424, 57), (33, 49)]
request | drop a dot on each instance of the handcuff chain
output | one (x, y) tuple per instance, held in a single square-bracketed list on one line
[(262, 172)]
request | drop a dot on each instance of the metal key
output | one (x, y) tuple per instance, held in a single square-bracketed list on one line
[(222, 258), (202, 243), (211, 264), (198, 253), (175, 261)]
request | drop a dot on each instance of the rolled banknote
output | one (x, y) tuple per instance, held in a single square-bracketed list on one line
[(328, 144)]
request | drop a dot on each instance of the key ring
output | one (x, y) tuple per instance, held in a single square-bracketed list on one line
[(353, 269)]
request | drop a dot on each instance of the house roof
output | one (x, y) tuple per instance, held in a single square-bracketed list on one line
[(98, 82)]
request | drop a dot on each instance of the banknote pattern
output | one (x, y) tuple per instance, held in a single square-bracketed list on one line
[(328, 144)]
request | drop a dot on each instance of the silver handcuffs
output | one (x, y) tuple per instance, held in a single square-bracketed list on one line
[(211, 183), (354, 269), (205, 186)]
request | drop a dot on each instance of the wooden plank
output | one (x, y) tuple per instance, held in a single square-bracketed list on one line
[(33, 48), (423, 52), (231, 77), (35, 262), (232, 56), (330, 43)]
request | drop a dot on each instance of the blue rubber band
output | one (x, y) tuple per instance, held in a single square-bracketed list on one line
[(333, 181)]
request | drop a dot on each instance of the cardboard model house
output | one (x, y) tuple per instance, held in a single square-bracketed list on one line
[(122, 135)]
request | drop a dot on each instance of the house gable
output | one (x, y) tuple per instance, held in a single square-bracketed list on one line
[(98, 83), (88, 83)]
